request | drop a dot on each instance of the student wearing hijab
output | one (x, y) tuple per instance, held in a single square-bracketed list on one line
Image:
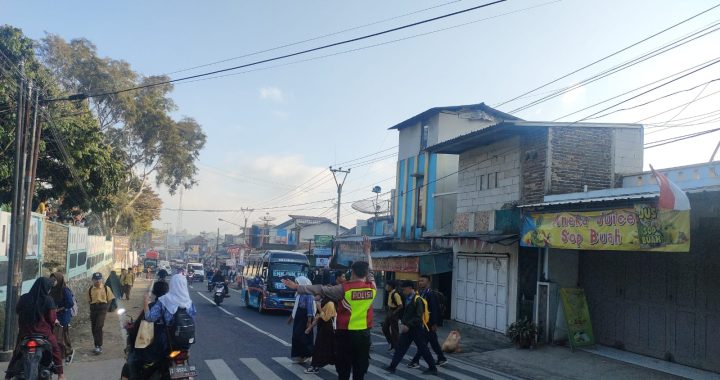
[(143, 362), (37, 315), (167, 305), (113, 282), (302, 317), (64, 300)]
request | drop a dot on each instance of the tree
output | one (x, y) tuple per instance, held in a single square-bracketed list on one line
[(74, 160), (137, 123)]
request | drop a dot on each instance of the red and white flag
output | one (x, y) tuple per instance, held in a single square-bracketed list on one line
[(671, 196)]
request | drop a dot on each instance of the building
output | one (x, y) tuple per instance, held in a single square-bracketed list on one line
[(650, 276), (426, 180), (509, 163), (301, 229)]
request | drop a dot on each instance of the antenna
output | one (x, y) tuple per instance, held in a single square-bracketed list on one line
[(267, 219)]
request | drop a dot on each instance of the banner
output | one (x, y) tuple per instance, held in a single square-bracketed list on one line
[(323, 245), (642, 228), (577, 317), (397, 264)]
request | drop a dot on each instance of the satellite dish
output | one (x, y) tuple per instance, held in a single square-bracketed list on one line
[(371, 206)]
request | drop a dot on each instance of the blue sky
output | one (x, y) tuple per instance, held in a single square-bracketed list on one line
[(271, 130)]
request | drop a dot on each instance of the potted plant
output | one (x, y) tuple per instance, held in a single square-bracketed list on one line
[(522, 332)]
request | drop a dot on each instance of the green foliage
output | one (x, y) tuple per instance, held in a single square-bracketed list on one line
[(522, 332)]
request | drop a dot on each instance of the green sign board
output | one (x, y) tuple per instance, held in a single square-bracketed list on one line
[(577, 317), (323, 240)]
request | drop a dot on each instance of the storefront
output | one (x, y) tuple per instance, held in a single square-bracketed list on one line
[(650, 276)]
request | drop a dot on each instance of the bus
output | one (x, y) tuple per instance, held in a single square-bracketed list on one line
[(261, 281)]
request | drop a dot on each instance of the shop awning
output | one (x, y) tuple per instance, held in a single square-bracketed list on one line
[(427, 262)]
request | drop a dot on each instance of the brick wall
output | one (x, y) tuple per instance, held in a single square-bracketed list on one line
[(533, 160), (579, 157), (492, 179), (56, 245)]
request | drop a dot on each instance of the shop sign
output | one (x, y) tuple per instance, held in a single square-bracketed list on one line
[(641, 228), (397, 264), (348, 253), (577, 317)]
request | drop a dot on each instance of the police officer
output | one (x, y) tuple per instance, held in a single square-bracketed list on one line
[(354, 315)]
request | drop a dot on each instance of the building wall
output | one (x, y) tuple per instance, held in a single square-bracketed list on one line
[(580, 157), (409, 144), (454, 125), (498, 163), (309, 232), (56, 247), (628, 150), (534, 163)]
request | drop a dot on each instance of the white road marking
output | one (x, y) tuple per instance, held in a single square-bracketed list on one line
[(220, 369), (296, 369), (401, 367), (284, 343), (259, 369)]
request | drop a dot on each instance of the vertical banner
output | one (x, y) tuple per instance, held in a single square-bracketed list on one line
[(577, 317)]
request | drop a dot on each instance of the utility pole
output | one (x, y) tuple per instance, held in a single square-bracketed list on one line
[(339, 192), (27, 144), (167, 240), (712, 158), (246, 216)]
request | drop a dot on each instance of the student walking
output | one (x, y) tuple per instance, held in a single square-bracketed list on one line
[(100, 297), (413, 330), (390, 327), (127, 280), (65, 302), (325, 338), (426, 292), (302, 319)]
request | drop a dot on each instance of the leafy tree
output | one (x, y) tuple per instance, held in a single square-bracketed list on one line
[(74, 161)]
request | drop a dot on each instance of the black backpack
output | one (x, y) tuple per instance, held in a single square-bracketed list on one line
[(441, 306), (182, 334)]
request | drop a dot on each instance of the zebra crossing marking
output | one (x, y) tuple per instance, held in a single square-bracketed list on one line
[(220, 369), (259, 369), (294, 368), (386, 361)]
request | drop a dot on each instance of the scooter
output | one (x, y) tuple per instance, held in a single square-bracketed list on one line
[(211, 286), (219, 293), (36, 359)]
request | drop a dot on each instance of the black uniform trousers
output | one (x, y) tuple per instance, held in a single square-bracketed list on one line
[(352, 353), (417, 335)]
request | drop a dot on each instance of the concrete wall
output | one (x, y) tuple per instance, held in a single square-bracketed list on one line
[(56, 247), (627, 151), (309, 232), (493, 177), (580, 157), (409, 144), (453, 125)]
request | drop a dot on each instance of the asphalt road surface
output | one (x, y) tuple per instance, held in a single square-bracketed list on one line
[(235, 342)]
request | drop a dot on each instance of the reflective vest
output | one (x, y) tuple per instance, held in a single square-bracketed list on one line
[(355, 309)]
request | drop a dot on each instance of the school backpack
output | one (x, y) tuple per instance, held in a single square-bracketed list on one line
[(183, 331), (426, 312), (441, 307)]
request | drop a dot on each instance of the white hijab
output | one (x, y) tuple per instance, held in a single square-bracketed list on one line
[(178, 295), (302, 280)]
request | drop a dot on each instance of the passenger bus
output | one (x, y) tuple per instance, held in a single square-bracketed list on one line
[(261, 281)]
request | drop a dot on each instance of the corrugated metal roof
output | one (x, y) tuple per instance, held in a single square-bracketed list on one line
[(469, 107), (490, 238), (393, 253), (593, 200), (359, 239)]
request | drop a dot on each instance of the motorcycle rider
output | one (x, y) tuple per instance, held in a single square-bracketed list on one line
[(37, 315), (142, 363), (219, 278)]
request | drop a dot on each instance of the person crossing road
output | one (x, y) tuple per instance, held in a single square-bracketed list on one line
[(354, 315)]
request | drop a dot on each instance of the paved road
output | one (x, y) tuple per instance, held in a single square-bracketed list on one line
[(234, 342)]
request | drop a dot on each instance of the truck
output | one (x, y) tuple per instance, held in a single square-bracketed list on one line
[(150, 261)]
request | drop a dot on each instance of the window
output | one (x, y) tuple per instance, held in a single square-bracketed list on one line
[(491, 180), (82, 256), (424, 136), (73, 260), (420, 201), (496, 179), (482, 180)]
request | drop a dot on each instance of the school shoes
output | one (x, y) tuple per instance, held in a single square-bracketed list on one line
[(389, 369), (413, 365), (430, 372), (441, 362), (313, 370)]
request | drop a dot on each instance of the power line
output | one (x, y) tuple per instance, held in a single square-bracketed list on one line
[(313, 38), (608, 56), (624, 66), (85, 96)]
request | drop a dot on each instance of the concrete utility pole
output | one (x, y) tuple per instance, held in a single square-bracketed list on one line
[(27, 145), (339, 192), (246, 216)]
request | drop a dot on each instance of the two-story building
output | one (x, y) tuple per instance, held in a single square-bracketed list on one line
[(301, 229), (504, 164)]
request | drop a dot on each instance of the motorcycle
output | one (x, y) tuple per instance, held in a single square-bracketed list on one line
[(176, 364), (190, 277), (36, 359), (211, 286), (219, 293)]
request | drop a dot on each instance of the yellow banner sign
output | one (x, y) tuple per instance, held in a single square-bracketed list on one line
[(642, 228)]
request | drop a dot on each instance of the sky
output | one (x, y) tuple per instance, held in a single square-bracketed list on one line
[(274, 129)]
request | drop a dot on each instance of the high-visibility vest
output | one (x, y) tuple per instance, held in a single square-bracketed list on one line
[(355, 309)]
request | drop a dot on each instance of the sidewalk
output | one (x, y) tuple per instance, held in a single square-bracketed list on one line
[(494, 351)]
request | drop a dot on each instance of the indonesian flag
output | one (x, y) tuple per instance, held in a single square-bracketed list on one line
[(671, 196)]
